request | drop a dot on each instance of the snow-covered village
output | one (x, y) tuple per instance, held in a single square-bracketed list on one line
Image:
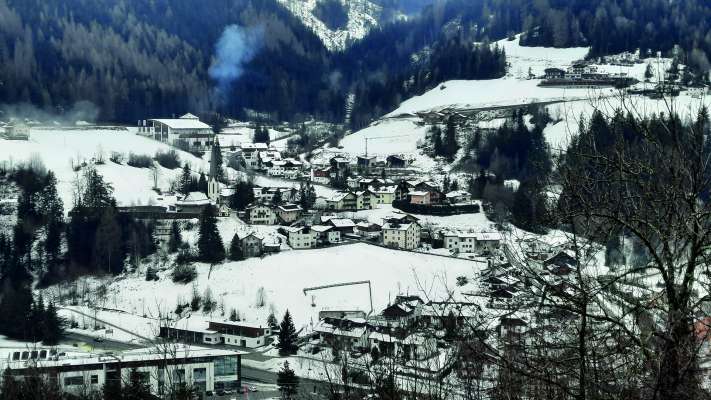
[(354, 200)]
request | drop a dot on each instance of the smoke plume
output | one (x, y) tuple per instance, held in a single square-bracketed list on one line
[(236, 47)]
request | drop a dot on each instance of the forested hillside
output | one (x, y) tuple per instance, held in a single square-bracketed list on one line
[(137, 58)]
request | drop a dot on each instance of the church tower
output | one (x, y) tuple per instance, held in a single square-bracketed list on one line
[(213, 186)]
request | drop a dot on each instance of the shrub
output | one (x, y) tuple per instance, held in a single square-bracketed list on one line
[(169, 159), (151, 274), (116, 157), (184, 273), (139, 160)]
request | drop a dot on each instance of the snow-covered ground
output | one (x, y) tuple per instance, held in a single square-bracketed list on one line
[(58, 148), (390, 136), (569, 115), (282, 277)]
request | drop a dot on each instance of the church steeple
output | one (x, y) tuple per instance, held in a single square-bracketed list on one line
[(213, 186)]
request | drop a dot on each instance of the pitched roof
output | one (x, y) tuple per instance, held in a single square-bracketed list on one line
[(195, 198), (341, 222)]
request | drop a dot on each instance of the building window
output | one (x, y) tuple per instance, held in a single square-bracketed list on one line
[(94, 379), (74, 381), (225, 366)]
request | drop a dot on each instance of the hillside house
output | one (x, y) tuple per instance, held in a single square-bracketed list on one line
[(459, 196), (302, 237), (368, 230), (261, 214), (365, 163), (326, 234), (401, 235), (288, 213), (186, 132), (250, 244), (365, 200), (384, 195), (395, 161), (418, 197), (321, 175), (469, 242), (343, 225), (342, 201)]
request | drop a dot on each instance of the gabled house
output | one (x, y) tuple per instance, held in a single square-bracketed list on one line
[(327, 234), (396, 161), (402, 236), (302, 237), (419, 197), (365, 200), (385, 195), (261, 214), (459, 196), (342, 225), (250, 243), (288, 213), (321, 175), (342, 201)]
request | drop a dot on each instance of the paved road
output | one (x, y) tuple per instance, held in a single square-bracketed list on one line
[(86, 342)]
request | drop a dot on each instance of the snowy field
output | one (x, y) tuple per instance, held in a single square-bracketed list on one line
[(59, 148), (283, 277)]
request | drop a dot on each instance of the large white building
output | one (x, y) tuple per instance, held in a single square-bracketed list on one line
[(302, 237), (187, 132), (161, 368)]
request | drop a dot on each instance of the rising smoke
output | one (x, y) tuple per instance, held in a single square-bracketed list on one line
[(236, 47)]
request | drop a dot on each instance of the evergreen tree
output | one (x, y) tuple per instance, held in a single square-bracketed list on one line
[(233, 315), (287, 336), (176, 238), (450, 145), (648, 72), (287, 381), (243, 195), (437, 145), (108, 254), (277, 200), (53, 326), (185, 181), (210, 247), (236, 253), (202, 183)]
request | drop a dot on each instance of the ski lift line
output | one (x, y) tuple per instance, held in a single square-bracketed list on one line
[(370, 290)]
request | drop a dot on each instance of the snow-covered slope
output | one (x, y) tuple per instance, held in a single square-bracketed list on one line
[(283, 276), (59, 148), (362, 17)]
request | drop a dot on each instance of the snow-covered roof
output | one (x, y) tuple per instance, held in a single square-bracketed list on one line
[(342, 222), (396, 226), (385, 190), (183, 123), (189, 116), (195, 198), (458, 193), (321, 228), (418, 193)]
